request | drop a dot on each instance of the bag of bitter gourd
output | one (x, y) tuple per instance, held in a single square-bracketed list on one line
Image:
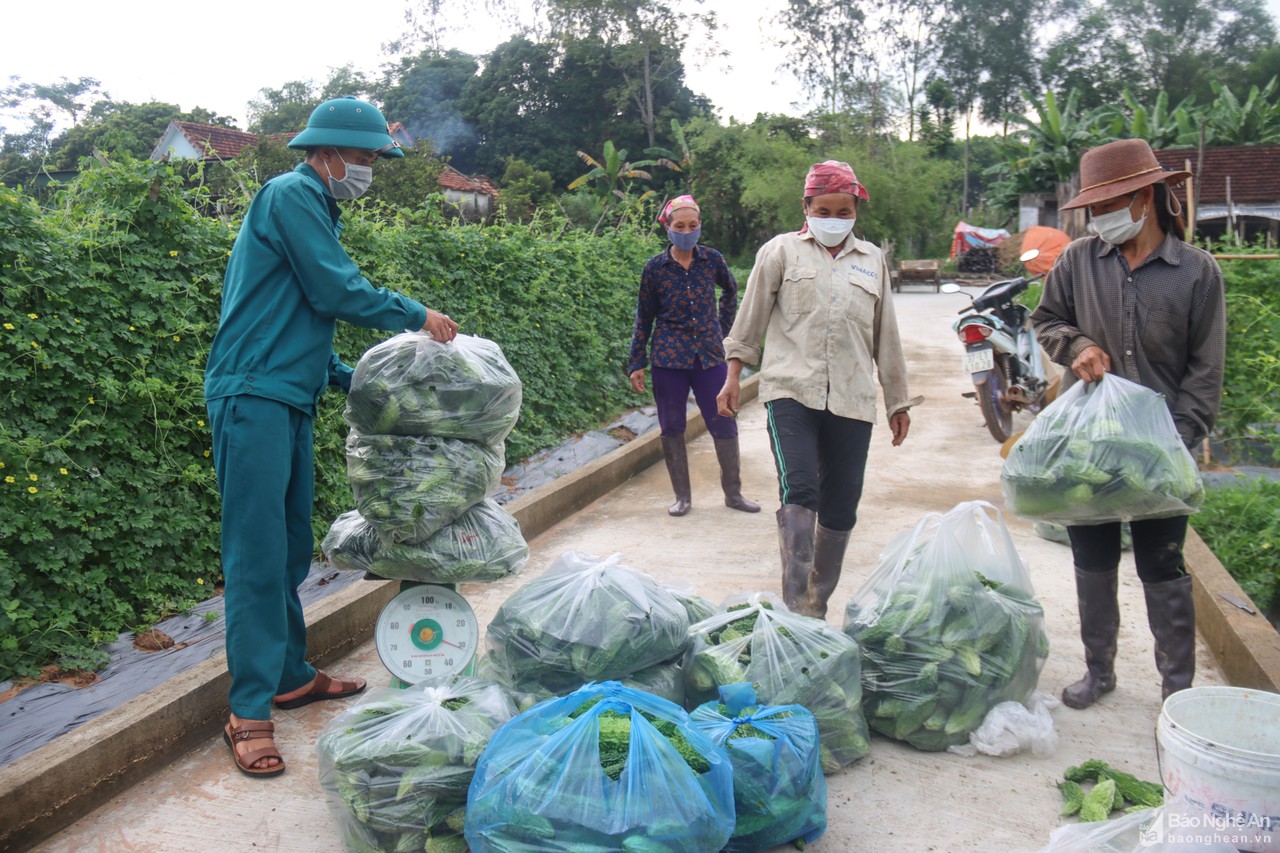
[(949, 627), (791, 659), (412, 384), (395, 767), (779, 792), (1103, 451), (603, 769)]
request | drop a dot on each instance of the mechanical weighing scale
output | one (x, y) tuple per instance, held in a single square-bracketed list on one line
[(426, 631)]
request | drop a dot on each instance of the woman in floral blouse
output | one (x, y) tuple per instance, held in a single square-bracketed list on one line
[(679, 321)]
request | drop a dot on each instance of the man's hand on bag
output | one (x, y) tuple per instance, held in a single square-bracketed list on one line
[(1091, 365), (440, 326), (900, 423), (637, 380)]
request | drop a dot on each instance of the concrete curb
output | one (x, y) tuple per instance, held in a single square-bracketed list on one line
[(65, 779), (1245, 644)]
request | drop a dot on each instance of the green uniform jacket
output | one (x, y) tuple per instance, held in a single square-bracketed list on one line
[(288, 281)]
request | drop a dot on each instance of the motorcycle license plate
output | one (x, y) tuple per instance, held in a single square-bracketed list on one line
[(976, 361)]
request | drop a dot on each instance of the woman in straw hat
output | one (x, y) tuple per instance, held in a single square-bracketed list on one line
[(822, 297), (679, 318), (1137, 301)]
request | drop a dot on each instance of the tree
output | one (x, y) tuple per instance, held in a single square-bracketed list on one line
[(1089, 57), (910, 26), (425, 93), (825, 41), (283, 110), (938, 118), (116, 127), (612, 177), (524, 190)]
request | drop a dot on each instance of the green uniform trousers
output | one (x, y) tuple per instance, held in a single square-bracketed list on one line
[(264, 457)]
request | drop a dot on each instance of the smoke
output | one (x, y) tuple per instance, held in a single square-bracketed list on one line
[(444, 129)]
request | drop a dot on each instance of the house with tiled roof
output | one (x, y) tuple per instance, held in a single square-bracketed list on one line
[(1236, 188), (475, 197), (186, 140)]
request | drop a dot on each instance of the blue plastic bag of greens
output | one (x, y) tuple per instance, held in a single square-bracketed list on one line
[(606, 768), (779, 792)]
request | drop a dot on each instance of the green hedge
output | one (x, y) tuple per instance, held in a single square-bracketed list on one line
[(108, 499), (1251, 388)]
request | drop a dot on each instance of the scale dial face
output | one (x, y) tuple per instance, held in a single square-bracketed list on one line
[(426, 631)]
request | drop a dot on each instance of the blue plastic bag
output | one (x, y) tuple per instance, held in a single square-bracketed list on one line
[(545, 785), (779, 792)]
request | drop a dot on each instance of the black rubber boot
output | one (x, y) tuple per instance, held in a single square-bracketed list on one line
[(731, 476), (1172, 617), (828, 559), (1099, 626), (677, 457), (795, 540)]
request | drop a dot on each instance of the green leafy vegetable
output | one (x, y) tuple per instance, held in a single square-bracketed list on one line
[(1119, 790)]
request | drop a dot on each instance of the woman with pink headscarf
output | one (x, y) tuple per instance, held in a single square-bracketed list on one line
[(679, 321), (821, 296)]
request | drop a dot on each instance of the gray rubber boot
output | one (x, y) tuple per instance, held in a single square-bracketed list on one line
[(795, 540), (1099, 626), (731, 476), (1172, 617), (677, 458), (828, 558)]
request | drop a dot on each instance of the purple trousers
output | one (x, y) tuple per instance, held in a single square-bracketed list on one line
[(671, 389)]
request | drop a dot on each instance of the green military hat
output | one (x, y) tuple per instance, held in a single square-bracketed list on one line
[(348, 123)]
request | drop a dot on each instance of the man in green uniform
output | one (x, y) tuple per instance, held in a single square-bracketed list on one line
[(288, 281)]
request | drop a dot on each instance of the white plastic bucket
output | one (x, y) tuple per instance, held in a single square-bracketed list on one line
[(1219, 753)]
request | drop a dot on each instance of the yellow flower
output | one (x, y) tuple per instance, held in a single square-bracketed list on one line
[(90, 401), (9, 326), (200, 581), (36, 345), (34, 316), (76, 320), (132, 329), (9, 479), (173, 254), (62, 471), (206, 454), (32, 489), (176, 339), (1, 464), (199, 423), (33, 477)]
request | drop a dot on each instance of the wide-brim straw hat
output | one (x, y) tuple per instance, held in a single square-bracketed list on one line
[(1117, 169)]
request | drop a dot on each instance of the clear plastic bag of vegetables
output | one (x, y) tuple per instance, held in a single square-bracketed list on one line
[(395, 768), (481, 546), (410, 487), (606, 768), (949, 628), (1103, 451), (791, 660), (412, 384), (664, 679), (585, 619), (779, 792)]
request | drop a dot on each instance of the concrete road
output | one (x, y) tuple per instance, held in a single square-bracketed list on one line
[(896, 799)]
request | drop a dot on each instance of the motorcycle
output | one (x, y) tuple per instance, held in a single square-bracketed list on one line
[(1001, 352)]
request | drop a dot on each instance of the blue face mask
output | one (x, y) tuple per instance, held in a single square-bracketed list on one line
[(684, 240)]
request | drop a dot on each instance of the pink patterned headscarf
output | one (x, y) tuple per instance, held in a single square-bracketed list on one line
[(675, 204), (833, 176)]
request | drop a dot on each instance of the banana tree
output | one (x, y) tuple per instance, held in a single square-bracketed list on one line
[(681, 162), (612, 177), (1255, 121)]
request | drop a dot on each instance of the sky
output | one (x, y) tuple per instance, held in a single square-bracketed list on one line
[(218, 56)]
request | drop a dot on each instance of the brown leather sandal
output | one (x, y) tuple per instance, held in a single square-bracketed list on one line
[(322, 688), (247, 730)]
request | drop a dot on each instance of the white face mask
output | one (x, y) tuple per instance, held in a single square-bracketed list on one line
[(1118, 226), (354, 183), (830, 231)]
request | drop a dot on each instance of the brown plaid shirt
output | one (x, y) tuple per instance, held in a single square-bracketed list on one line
[(1163, 324)]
